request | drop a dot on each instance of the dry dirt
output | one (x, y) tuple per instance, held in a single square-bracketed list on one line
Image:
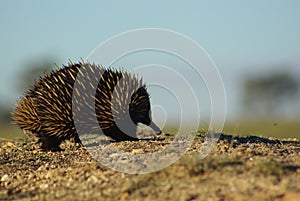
[(238, 168)]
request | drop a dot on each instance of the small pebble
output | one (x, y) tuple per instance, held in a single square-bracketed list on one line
[(4, 178)]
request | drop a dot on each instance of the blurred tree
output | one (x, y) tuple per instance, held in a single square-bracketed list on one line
[(4, 115), (32, 71), (268, 95)]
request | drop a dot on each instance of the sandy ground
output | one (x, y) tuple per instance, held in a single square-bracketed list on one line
[(238, 168)]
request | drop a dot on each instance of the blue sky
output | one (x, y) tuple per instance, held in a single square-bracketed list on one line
[(240, 36)]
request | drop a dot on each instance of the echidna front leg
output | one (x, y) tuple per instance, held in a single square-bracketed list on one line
[(50, 143), (77, 140), (47, 142)]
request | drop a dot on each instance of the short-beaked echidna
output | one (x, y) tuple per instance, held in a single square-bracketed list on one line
[(80, 94)]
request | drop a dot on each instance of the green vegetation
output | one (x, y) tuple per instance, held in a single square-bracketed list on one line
[(265, 128)]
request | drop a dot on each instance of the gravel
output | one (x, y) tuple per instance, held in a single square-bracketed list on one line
[(238, 168)]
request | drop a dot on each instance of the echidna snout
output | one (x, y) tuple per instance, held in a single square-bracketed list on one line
[(140, 111), (155, 128)]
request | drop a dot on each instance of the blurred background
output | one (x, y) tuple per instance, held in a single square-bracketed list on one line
[(254, 44)]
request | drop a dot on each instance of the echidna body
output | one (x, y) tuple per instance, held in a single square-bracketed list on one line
[(80, 98)]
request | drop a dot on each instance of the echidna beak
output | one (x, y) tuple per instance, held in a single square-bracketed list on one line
[(155, 128)]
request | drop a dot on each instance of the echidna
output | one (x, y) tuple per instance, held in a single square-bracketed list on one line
[(78, 95)]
